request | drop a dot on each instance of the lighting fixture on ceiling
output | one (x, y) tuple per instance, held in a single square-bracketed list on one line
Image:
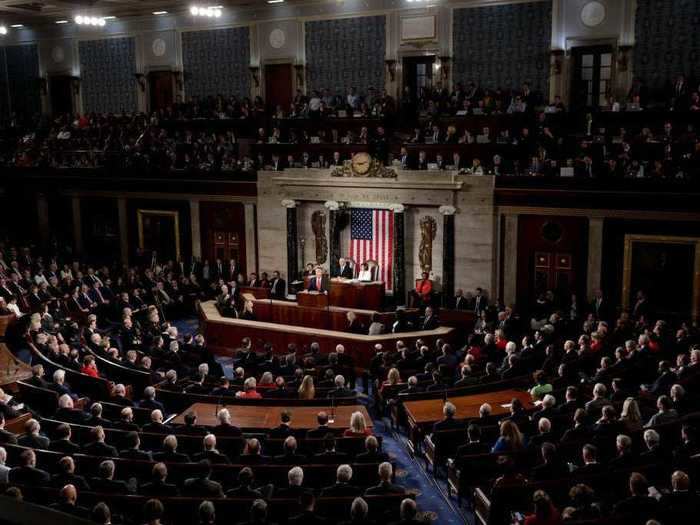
[(17, 26), (158, 13), (96, 21), (275, 1), (208, 11), (61, 21), (3, 30)]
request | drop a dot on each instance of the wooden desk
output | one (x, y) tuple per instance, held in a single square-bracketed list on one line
[(249, 416), (256, 291), (312, 299), (224, 334), (356, 294), (426, 412)]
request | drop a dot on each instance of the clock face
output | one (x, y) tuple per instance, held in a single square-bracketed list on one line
[(158, 47), (593, 14), (277, 38), (361, 163)]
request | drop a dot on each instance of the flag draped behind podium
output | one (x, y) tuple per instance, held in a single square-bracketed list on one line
[(372, 239)]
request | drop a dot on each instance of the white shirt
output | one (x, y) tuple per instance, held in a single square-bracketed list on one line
[(365, 275)]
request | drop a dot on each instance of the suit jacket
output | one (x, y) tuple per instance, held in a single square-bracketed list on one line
[(171, 457), (134, 453), (385, 488), (108, 486), (31, 441), (99, 448), (203, 488), (340, 490), (158, 489), (28, 476), (314, 287), (7, 437), (277, 288), (64, 446), (346, 271), (61, 480)]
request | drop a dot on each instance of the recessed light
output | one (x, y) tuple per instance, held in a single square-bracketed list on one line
[(109, 17), (275, 1), (160, 13), (17, 25), (61, 21)]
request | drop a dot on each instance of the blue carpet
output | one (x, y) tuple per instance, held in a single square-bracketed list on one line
[(432, 497)]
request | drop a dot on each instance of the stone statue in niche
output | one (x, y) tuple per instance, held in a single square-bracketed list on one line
[(428, 230), (318, 226)]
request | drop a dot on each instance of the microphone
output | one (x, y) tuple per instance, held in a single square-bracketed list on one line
[(331, 416)]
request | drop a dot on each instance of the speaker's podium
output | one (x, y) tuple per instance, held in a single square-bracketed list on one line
[(312, 299)]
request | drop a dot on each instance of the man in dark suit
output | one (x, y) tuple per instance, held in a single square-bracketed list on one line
[(226, 428), (201, 486), (385, 485), (98, 447), (474, 445), (149, 400), (27, 474), (461, 302), (448, 422), (430, 320), (132, 450), (245, 488), (680, 505), (105, 482), (5, 436), (67, 503), (316, 283), (169, 454), (210, 453), (322, 429), (158, 487), (372, 453), (289, 455), (277, 286), (480, 301), (284, 429), (342, 487), (32, 437), (62, 443), (67, 475), (294, 489), (344, 269), (308, 515), (340, 390), (329, 455), (639, 507), (156, 426)]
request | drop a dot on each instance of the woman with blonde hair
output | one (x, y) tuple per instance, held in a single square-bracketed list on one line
[(510, 440), (631, 416), (267, 381), (393, 378), (307, 390), (358, 426)]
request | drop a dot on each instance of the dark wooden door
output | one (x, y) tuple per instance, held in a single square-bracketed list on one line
[(61, 94), (160, 85), (592, 77), (278, 86), (418, 74)]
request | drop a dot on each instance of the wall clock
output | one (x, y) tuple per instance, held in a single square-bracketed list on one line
[(593, 14), (158, 47), (277, 38)]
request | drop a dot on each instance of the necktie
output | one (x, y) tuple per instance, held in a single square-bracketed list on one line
[(318, 284)]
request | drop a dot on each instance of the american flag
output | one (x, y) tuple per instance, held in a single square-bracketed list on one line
[(372, 239)]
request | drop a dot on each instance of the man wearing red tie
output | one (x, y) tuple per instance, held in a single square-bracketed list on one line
[(316, 282)]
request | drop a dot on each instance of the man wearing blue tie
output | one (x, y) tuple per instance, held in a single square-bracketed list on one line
[(316, 282)]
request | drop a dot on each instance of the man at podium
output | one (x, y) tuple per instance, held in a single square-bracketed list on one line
[(316, 282)]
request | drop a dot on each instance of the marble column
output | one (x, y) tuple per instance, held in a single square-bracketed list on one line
[(195, 229), (42, 209), (77, 226), (334, 215), (595, 254), (448, 253), (123, 230), (292, 240), (399, 256), (510, 259), (251, 240)]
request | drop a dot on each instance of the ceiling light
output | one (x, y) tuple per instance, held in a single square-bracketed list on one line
[(109, 17), (275, 1), (17, 25), (61, 21), (160, 13), (3, 30), (214, 11), (96, 21)]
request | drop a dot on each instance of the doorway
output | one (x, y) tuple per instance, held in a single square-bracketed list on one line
[(278, 86), (418, 74), (161, 89), (592, 77), (61, 94)]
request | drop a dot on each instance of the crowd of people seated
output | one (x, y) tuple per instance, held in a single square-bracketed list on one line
[(535, 141), (86, 321)]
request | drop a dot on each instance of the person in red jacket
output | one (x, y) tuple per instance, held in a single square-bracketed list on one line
[(90, 367), (423, 291)]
